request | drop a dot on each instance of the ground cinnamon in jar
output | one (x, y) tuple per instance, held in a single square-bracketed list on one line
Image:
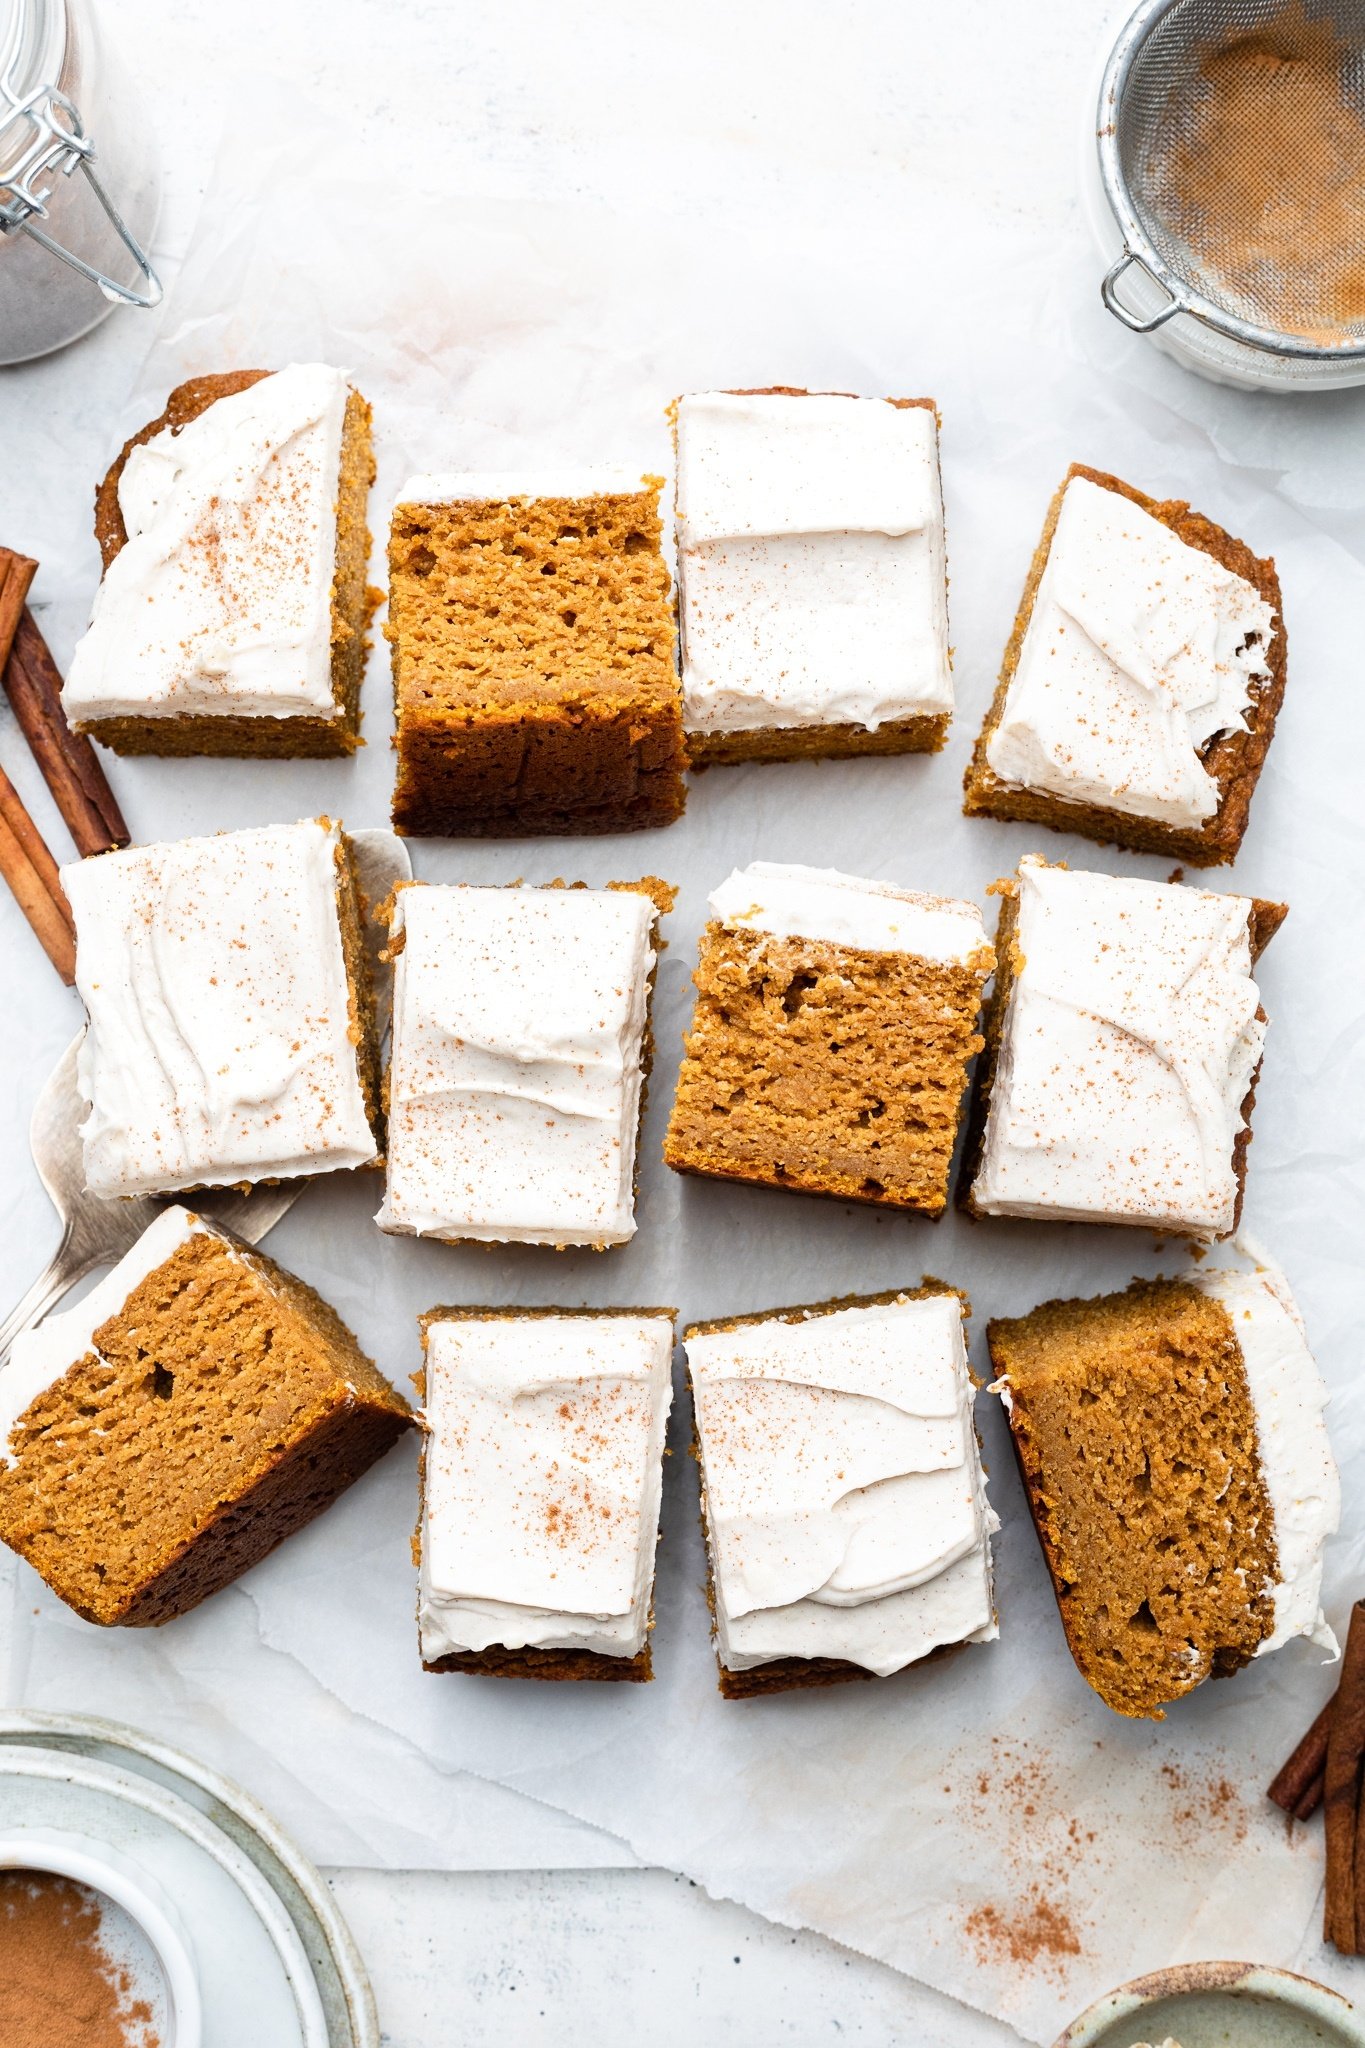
[(1267, 180), (58, 1987)]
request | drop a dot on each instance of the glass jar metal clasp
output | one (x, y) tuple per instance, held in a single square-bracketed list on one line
[(43, 138)]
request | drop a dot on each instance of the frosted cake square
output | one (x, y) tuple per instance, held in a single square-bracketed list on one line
[(520, 1049), (1123, 1044), (194, 1410), (1142, 682), (531, 626), (843, 1500), (234, 612), (231, 1024), (812, 575), (828, 1049), (1173, 1448), (541, 1480)]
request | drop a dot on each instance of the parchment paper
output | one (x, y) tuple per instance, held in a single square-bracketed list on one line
[(986, 1824)]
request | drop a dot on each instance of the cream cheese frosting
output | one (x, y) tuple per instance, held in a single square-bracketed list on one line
[(811, 559), (845, 1506), (1139, 651), (543, 1474), (1300, 1473), (220, 601), (220, 1046), (876, 917), (515, 1079), (1129, 1046), (38, 1358)]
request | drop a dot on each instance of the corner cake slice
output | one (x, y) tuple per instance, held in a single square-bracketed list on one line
[(196, 1408), (1173, 1449), (533, 657), (542, 1472), (1142, 681), (521, 1045), (813, 575), (1123, 1045), (232, 1029), (829, 1044), (843, 1500), (234, 613)]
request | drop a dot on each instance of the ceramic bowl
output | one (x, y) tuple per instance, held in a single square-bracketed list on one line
[(141, 1928), (1219, 2005)]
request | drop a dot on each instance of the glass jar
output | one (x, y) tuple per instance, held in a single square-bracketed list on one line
[(79, 190)]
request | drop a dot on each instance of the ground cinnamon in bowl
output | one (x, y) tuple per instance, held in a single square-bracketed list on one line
[(1265, 182), (59, 1985)]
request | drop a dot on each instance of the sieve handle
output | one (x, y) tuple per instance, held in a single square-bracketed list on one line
[(1114, 304)]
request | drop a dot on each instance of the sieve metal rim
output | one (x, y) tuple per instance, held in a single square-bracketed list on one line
[(1140, 252)]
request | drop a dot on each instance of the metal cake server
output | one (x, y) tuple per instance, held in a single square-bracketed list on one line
[(97, 1232)]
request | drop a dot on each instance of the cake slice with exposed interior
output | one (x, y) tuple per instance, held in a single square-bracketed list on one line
[(531, 626), (521, 1045), (1142, 682), (1172, 1445), (231, 1034), (812, 574), (829, 1044), (194, 1410), (542, 1472), (234, 613), (843, 1500), (1123, 1045)]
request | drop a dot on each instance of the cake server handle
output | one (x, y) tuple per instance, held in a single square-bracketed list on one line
[(65, 1268)]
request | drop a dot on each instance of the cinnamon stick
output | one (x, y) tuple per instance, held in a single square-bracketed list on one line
[(1297, 1786), (1343, 1916), (33, 685), (16, 574), (31, 874)]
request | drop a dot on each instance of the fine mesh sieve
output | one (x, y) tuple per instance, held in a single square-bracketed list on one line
[(1232, 150)]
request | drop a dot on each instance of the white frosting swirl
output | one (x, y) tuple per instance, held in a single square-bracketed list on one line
[(843, 910), (514, 1086), (1140, 649), (1300, 1473), (845, 1505), (1129, 1046), (220, 601), (811, 561), (220, 1043), (544, 1460)]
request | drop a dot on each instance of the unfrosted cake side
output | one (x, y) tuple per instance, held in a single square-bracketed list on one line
[(531, 627), (194, 1410)]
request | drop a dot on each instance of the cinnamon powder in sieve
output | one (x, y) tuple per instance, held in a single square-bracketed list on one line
[(1267, 181), (58, 1988)]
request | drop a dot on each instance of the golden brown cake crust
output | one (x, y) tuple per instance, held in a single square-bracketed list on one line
[(1133, 1427), (825, 1068), (535, 688), (799, 1674), (221, 1409), (240, 736), (533, 1661), (926, 733), (1263, 921), (1234, 760)]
